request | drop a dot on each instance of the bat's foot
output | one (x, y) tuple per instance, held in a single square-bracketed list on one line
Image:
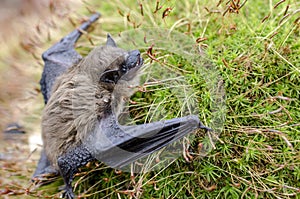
[(48, 171), (68, 193), (44, 172), (68, 165), (44, 177)]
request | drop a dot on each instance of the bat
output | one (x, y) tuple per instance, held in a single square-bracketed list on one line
[(84, 97)]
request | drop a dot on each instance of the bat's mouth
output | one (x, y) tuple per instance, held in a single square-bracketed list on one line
[(139, 62)]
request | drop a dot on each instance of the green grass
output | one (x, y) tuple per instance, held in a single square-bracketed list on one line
[(256, 153)]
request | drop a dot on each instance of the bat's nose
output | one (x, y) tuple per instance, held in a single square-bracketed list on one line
[(134, 59), (135, 53)]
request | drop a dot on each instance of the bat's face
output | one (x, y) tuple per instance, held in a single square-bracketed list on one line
[(123, 67)]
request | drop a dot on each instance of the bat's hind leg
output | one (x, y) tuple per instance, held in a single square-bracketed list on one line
[(69, 164)]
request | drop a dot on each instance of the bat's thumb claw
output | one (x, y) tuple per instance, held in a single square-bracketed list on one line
[(201, 126)]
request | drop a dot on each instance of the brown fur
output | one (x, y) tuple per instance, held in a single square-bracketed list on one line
[(78, 100)]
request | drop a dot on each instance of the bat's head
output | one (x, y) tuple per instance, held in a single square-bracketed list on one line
[(124, 66), (114, 70)]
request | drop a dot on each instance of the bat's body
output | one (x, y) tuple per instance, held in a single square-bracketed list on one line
[(79, 122), (58, 59)]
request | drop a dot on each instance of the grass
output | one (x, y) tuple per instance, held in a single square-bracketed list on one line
[(253, 58)]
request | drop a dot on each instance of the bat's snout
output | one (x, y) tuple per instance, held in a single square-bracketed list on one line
[(134, 60)]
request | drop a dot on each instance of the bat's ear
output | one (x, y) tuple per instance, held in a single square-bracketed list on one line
[(110, 76), (110, 41)]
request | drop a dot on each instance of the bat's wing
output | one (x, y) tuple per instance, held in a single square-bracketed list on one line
[(61, 56), (118, 146)]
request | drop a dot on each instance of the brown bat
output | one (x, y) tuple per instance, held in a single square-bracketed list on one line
[(84, 97)]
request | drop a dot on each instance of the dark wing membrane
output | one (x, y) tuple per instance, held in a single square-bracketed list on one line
[(118, 146), (61, 56)]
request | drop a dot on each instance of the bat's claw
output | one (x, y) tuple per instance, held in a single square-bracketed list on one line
[(201, 126), (68, 194)]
